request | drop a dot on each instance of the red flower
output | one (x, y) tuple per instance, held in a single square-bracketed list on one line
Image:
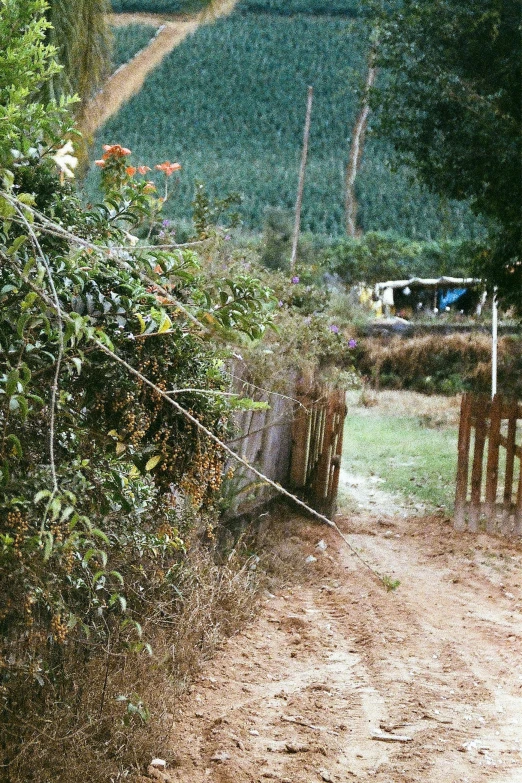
[(168, 168), (100, 163), (115, 151), (131, 170)]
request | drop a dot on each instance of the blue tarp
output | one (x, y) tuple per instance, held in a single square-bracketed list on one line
[(447, 298)]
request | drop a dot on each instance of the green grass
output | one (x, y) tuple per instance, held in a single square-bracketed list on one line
[(415, 461), (229, 104), (129, 40)]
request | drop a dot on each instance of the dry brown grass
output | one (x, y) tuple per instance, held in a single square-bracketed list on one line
[(115, 712), (441, 363), (431, 408)]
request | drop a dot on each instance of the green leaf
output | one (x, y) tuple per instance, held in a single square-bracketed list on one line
[(165, 325), (16, 445), (142, 323), (77, 363), (12, 249), (152, 462), (43, 493), (11, 385)]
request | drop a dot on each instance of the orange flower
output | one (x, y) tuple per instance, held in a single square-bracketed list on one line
[(131, 170), (100, 163), (168, 168), (150, 187), (115, 150), (143, 169)]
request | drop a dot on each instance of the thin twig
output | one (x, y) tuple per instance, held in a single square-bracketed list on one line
[(54, 388)]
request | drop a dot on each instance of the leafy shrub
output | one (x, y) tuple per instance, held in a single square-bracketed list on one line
[(376, 257), (104, 483)]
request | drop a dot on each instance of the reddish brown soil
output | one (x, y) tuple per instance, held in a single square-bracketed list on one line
[(301, 695)]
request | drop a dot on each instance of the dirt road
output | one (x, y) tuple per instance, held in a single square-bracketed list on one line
[(338, 680)]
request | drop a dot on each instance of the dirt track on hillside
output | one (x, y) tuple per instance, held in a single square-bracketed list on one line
[(128, 80), (338, 680)]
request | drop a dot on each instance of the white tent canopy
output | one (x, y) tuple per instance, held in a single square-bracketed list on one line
[(428, 282)]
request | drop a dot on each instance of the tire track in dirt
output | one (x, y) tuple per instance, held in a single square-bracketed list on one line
[(299, 695), (129, 78)]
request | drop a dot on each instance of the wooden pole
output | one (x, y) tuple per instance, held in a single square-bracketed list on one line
[(300, 187), (494, 342)]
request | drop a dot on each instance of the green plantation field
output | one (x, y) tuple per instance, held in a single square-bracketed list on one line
[(229, 105), (290, 7), (158, 6), (129, 40)]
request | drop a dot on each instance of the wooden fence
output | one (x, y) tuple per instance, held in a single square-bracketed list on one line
[(489, 473), (297, 442), (317, 442)]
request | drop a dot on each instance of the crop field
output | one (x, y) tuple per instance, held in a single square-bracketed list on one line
[(312, 7), (229, 105), (157, 6), (129, 40)]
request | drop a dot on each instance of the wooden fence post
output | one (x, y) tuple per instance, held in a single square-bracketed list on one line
[(512, 412), (492, 464), (459, 520), (480, 419)]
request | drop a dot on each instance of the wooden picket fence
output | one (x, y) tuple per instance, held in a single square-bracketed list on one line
[(297, 442), (317, 442), (489, 472)]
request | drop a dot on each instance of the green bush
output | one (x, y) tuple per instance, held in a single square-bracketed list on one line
[(374, 258), (103, 481)]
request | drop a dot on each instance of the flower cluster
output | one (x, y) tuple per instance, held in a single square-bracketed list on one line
[(111, 151)]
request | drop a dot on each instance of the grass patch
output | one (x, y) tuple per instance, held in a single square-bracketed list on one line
[(415, 460)]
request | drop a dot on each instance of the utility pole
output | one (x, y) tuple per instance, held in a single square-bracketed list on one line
[(300, 187)]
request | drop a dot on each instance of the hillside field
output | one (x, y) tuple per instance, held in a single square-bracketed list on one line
[(229, 104), (129, 40)]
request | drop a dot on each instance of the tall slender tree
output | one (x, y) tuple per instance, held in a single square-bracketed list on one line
[(82, 36), (452, 105)]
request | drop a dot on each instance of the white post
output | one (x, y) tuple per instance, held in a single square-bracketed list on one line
[(494, 340)]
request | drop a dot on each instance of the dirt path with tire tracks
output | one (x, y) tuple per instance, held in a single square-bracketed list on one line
[(128, 80), (338, 680)]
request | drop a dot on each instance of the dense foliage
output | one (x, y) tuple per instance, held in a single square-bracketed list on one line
[(81, 34), (441, 363), (103, 481), (375, 257), (129, 40), (213, 110), (452, 107)]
